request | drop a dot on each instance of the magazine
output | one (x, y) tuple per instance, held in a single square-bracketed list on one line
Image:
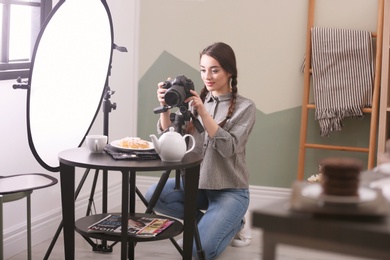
[(142, 226)]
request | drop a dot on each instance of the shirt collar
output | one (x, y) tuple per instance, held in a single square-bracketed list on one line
[(210, 98)]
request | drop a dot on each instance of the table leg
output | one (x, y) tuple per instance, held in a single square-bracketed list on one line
[(125, 212), (29, 254), (67, 177), (105, 192), (1, 229), (132, 186), (269, 247), (105, 202), (190, 193)]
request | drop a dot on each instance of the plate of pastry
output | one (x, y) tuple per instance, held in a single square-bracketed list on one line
[(132, 144)]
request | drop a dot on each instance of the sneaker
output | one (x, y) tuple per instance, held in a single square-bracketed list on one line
[(244, 236)]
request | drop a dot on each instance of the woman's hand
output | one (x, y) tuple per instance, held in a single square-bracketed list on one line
[(208, 122), (161, 93), (196, 102), (165, 120)]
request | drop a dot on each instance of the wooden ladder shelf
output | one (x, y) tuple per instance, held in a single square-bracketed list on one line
[(374, 110)]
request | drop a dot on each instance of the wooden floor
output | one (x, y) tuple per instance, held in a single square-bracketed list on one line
[(164, 249)]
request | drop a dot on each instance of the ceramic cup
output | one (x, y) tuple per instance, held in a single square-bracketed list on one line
[(96, 143)]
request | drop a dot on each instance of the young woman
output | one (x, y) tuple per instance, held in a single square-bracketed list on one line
[(228, 119)]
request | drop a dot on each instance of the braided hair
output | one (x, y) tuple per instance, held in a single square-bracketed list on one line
[(224, 54)]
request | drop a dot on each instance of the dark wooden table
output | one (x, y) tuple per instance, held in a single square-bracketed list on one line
[(81, 157), (358, 236)]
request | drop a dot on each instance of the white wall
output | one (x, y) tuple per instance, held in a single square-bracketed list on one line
[(16, 156)]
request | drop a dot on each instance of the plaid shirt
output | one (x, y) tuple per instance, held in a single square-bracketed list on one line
[(224, 163)]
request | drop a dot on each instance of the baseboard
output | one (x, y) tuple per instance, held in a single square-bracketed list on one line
[(262, 196), (44, 226)]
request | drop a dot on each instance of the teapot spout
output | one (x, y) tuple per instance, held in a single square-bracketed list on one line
[(156, 143)]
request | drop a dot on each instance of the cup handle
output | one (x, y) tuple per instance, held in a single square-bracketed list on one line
[(193, 142), (96, 145)]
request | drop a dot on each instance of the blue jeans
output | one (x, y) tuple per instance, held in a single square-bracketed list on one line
[(220, 213)]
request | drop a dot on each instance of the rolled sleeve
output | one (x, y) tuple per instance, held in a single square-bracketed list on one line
[(233, 137)]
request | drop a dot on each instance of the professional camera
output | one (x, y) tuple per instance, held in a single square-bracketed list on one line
[(178, 91)]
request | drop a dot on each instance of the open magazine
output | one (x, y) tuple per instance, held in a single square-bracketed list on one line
[(142, 226)]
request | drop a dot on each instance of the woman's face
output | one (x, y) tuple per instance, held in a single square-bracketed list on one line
[(215, 78)]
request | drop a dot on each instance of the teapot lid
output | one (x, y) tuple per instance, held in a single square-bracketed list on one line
[(171, 131)]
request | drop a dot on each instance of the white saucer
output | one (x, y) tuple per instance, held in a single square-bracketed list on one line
[(314, 191)]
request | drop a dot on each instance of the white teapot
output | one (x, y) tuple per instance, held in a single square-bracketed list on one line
[(171, 147)]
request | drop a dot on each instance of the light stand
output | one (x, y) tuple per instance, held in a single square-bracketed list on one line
[(107, 107)]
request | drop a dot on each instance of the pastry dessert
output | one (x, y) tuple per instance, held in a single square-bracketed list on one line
[(134, 143), (341, 176)]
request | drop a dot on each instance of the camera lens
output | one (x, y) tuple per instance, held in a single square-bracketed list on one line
[(175, 96)]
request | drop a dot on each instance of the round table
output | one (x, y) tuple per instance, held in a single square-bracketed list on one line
[(82, 157)]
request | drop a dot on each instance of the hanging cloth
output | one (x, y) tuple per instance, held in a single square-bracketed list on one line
[(343, 75)]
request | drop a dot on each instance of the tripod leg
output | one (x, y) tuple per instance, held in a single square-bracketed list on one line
[(157, 192), (150, 205), (178, 248), (103, 247), (57, 234), (142, 198), (92, 194), (200, 251)]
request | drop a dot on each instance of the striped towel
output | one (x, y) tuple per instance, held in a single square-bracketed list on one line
[(343, 69)]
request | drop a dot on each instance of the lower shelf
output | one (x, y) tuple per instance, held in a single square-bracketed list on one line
[(82, 224)]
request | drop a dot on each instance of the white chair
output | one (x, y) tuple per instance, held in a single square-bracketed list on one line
[(16, 187)]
